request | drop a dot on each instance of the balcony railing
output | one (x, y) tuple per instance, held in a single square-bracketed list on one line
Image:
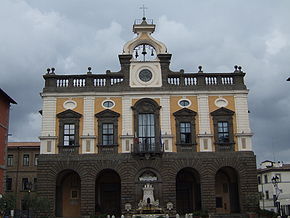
[(143, 149), (68, 149), (224, 147)]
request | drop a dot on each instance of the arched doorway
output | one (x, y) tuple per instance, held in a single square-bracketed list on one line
[(68, 194), (227, 191), (188, 196), (108, 193)]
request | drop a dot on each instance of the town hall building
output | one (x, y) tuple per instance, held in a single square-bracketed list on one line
[(146, 139)]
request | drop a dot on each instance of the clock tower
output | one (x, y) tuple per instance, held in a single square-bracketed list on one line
[(146, 53)]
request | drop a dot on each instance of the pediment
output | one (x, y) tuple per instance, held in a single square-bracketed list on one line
[(107, 113), (185, 112), (69, 114), (222, 112), (146, 105)]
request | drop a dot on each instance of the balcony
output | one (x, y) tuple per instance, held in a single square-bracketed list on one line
[(147, 150), (68, 150), (225, 147)]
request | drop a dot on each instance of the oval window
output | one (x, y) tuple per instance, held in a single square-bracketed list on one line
[(184, 103), (108, 104)]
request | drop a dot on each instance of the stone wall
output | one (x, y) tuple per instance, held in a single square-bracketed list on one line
[(207, 164)]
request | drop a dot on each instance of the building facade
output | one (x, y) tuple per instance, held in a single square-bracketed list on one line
[(106, 138), (21, 174), (274, 187), (5, 102)]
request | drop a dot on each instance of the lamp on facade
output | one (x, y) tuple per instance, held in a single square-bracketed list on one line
[(275, 181)]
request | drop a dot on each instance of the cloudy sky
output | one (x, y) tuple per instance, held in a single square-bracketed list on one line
[(71, 35)]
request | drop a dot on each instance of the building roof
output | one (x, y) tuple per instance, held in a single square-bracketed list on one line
[(23, 144), (284, 167), (10, 100)]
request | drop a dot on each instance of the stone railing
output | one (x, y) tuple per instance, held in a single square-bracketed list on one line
[(55, 82), (117, 81), (206, 79)]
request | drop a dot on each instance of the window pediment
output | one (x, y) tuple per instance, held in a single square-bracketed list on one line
[(222, 112), (69, 114), (107, 113), (146, 105), (184, 112)]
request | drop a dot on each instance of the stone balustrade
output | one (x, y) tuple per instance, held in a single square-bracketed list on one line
[(114, 82)]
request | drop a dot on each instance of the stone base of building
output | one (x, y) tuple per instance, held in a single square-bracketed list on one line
[(92, 184)]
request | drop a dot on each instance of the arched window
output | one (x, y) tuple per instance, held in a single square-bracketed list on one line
[(147, 126)]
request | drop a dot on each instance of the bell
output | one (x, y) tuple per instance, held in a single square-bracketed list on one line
[(144, 50), (136, 54), (152, 52)]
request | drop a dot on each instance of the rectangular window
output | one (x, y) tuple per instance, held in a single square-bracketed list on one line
[(185, 133), (8, 184), (25, 159), (259, 180), (10, 160), (265, 178), (267, 194), (108, 133), (69, 135), (36, 159), (74, 194), (24, 183), (223, 132)]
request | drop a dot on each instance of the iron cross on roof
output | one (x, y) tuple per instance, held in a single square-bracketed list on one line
[(143, 8)]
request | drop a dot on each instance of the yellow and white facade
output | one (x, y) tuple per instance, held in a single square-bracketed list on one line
[(188, 131)]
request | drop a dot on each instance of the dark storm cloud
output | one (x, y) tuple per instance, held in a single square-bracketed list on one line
[(71, 35)]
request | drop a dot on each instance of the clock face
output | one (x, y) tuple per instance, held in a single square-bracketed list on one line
[(145, 75)]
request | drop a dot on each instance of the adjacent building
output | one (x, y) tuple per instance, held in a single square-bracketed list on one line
[(274, 186), (5, 101), (21, 175), (146, 137)]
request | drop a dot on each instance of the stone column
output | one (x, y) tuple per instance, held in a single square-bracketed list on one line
[(88, 195), (208, 192)]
